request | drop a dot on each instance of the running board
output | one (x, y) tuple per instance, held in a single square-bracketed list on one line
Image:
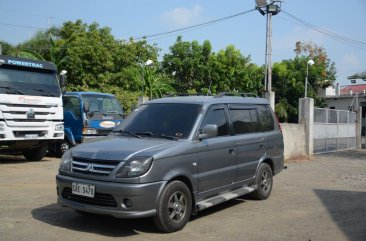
[(224, 197)]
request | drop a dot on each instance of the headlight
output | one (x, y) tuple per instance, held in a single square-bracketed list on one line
[(59, 127), (66, 159), (89, 131), (135, 167)]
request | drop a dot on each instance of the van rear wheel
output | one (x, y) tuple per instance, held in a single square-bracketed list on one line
[(174, 207), (264, 182)]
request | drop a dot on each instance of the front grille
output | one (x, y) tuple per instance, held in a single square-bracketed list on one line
[(100, 199), (22, 134), (93, 167)]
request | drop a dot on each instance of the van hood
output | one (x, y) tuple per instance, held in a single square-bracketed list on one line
[(119, 148)]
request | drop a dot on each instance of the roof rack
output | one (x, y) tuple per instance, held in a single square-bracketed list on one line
[(222, 94), (185, 94)]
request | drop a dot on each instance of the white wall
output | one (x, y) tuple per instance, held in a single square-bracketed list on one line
[(294, 140)]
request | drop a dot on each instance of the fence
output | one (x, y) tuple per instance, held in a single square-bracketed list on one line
[(333, 130)]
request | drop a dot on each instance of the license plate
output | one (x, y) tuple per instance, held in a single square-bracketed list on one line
[(86, 190), (31, 136)]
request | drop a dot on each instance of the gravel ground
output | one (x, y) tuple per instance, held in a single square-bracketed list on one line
[(323, 198)]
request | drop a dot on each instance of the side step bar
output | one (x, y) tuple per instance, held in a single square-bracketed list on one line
[(224, 197)]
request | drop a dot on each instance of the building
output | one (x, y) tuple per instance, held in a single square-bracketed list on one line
[(349, 97)]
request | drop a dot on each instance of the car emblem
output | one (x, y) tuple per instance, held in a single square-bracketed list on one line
[(30, 114), (90, 168)]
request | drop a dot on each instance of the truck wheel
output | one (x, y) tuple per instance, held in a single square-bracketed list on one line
[(62, 147), (35, 154), (174, 208), (264, 182)]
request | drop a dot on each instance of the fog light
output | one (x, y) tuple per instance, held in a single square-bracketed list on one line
[(126, 203)]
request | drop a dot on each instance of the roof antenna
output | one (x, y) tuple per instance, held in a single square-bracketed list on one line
[(208, 91)]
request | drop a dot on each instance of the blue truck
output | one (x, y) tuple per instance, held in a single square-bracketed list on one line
[(87, 115)]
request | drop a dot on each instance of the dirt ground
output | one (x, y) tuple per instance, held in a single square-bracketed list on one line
[(319, 199)]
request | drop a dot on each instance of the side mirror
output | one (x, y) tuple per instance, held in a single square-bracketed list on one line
[(62, 78), (208, 131)]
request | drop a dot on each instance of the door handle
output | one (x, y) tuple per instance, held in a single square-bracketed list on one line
[(232, 151), (261, 146)]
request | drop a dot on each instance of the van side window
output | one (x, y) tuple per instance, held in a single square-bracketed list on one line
[(245, 121), (265, 117), (217, 116)]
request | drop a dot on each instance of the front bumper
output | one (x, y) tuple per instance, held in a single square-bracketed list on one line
[(144, 197)]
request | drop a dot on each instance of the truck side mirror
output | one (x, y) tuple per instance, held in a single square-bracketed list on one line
[(208, 131), (62, 78)]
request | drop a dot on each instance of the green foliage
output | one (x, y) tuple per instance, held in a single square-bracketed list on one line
[(289, 78), (195, 68)]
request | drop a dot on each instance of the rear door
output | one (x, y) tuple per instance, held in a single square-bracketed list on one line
[(249, 141)]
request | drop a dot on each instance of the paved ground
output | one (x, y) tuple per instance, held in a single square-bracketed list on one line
[(320, 199)]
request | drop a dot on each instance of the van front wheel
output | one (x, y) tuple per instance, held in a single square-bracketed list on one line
[(174, 207)]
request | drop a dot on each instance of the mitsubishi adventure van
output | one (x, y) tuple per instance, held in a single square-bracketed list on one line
[(173, 157)]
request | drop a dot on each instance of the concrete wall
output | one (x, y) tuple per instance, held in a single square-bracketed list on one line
[(294, 140)]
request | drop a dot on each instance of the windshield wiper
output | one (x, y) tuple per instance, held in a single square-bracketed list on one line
[(148, 133), (45, 93), (127, 133), (15, 91)]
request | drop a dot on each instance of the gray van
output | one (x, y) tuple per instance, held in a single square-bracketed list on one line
[(172, 157)]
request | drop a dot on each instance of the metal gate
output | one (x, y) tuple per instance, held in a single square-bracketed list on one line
[(334, 130)]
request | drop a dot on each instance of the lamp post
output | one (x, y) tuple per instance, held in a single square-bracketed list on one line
[(147, 63), (142, 98), (310, 62), (270, 8)]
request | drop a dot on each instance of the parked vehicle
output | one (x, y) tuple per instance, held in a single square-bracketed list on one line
[(172, 157), (31, 115), (87, 115)]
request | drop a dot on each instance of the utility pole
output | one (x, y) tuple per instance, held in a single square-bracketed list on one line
[(270, 8)]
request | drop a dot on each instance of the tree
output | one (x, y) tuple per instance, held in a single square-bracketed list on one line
[(188, 64), (289, 78)]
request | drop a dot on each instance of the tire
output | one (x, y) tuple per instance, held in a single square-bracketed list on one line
[(62, 147), (174, 207), (35, 154), (264, 182)]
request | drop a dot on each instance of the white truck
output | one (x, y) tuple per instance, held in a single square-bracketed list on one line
[(31, 112)]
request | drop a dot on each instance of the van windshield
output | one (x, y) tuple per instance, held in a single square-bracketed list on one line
[(102, 105), (172, 119), (27, 82)]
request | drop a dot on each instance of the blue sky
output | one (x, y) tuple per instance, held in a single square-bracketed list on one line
[(137, 18)]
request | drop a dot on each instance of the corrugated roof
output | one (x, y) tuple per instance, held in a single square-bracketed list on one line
[(354, 88)]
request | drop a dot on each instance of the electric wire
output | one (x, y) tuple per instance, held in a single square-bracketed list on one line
[(335, 36), (195, 26)]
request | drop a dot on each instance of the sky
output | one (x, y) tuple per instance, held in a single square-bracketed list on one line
[(21, 19)]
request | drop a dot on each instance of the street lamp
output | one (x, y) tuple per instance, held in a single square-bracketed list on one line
[(147, 63), (310, 62)]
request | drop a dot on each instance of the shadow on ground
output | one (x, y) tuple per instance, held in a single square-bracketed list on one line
[(352, 154), (348, 211), (109, 226), (16, 159)]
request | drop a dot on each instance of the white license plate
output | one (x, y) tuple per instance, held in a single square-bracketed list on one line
[(31, 136), (86, 190)]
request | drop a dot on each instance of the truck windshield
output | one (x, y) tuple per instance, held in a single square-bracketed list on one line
[(25, 82), (170, 119), (102, 105)]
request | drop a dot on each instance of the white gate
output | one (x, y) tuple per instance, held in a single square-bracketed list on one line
[(334, 130)]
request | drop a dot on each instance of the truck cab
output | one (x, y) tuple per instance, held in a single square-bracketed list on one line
[(87, 116), (31, 115)]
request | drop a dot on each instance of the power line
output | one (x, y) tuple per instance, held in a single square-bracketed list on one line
[(21, 26), (335, 36), (195, 26)]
